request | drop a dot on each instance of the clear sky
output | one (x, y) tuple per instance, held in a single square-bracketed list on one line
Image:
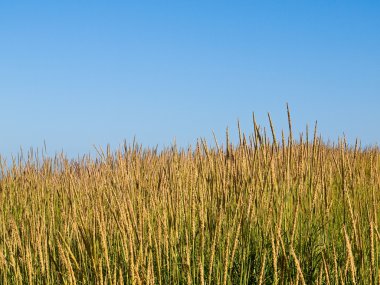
[(84, 73)]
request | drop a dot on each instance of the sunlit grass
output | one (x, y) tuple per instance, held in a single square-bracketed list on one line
[(265, 211)]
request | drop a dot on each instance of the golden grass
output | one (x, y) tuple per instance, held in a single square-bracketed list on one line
[(261, 212)]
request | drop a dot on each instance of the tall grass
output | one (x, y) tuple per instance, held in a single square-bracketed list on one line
[(260, 212)]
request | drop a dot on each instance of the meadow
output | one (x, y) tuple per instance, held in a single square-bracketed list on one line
[(266, 210)]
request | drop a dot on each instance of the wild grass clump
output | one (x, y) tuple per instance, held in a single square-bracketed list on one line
[(260, 212)]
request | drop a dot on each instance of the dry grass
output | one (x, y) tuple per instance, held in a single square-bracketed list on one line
[(260, 212)]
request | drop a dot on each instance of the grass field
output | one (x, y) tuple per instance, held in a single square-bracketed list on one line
[(264, 211)]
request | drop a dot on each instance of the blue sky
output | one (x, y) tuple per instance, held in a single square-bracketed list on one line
[(84, 73)]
